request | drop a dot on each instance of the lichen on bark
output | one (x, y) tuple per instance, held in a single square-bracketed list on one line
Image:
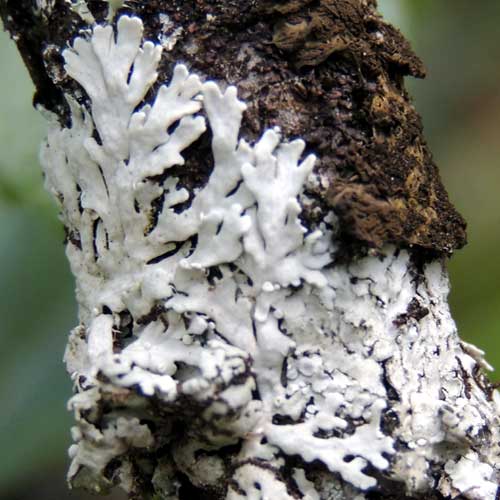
[(258, 235)]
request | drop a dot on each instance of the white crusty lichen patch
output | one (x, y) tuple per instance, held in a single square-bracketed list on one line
[(214, 317)]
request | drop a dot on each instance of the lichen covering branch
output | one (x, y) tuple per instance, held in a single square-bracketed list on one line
[(219, 338)]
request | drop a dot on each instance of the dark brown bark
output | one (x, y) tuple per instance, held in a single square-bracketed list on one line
[(329, 71)]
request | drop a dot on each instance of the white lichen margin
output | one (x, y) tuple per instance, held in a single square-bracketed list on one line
[(216, 310)]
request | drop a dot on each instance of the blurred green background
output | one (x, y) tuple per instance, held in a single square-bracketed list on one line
[(460, 104)]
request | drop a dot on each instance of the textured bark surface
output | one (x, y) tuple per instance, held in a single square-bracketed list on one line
[(331, 72), (255, 322)]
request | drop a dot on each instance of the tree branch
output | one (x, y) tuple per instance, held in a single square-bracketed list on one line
[(258, 235)]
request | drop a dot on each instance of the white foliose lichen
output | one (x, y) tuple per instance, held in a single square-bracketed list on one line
[(81, 8), (216, 308)]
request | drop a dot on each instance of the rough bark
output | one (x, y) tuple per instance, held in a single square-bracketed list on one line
[(263, 311)]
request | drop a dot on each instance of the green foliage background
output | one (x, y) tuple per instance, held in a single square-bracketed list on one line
[(460, 105)]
